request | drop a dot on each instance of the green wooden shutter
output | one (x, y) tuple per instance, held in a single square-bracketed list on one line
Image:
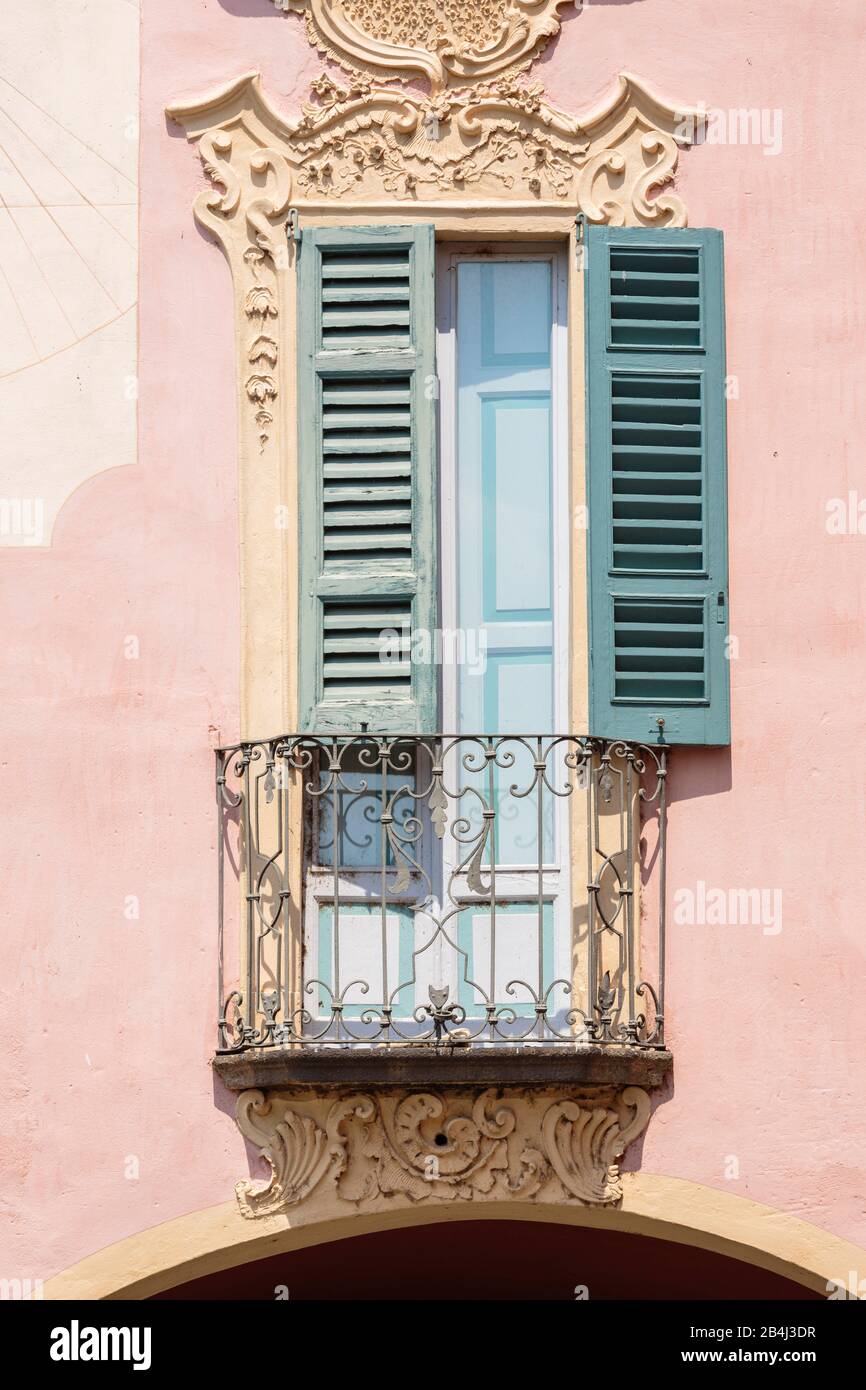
[(367, 404), (656, 459)]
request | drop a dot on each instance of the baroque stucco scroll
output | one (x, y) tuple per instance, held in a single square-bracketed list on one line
[(501, 145), (385, 1149), (447, 42)]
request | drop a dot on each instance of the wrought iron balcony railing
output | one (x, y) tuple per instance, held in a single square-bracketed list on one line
[(441, 891)]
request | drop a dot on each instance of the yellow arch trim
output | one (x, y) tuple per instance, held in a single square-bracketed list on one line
[(218, 1237)]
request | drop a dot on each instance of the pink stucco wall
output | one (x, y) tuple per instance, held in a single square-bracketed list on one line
[(107, 765)]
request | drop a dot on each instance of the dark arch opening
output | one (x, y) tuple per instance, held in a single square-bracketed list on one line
[(500, 1260)]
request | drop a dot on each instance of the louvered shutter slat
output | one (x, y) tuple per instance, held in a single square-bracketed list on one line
[(366, 357), (656, 485)]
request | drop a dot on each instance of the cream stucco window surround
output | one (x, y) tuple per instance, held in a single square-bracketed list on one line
[(502, 164)]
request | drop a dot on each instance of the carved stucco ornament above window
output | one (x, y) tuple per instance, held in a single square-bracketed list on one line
[(502, 145), (379, 1151), (448, 42)]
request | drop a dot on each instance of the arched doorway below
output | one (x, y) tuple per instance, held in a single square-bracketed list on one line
[(499, 1260)]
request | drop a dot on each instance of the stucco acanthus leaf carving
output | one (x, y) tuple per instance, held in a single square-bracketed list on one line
[(447, 42), (584, 1145), (245, 208), (293, 1145), (375, 1150)]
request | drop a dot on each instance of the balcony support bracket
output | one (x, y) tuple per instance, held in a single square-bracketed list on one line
[(391, 1148)]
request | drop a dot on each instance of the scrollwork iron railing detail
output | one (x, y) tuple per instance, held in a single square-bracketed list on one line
[(428, 890)]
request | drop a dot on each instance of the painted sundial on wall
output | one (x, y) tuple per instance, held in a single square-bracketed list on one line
[(68, 258), (67, 234), (450, 42)]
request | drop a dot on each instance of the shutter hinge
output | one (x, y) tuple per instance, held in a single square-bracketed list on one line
[(580, 241), (720, 607), (293, 230)]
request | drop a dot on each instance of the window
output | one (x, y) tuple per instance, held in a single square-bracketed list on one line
[(404, 561), (436, 555)]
